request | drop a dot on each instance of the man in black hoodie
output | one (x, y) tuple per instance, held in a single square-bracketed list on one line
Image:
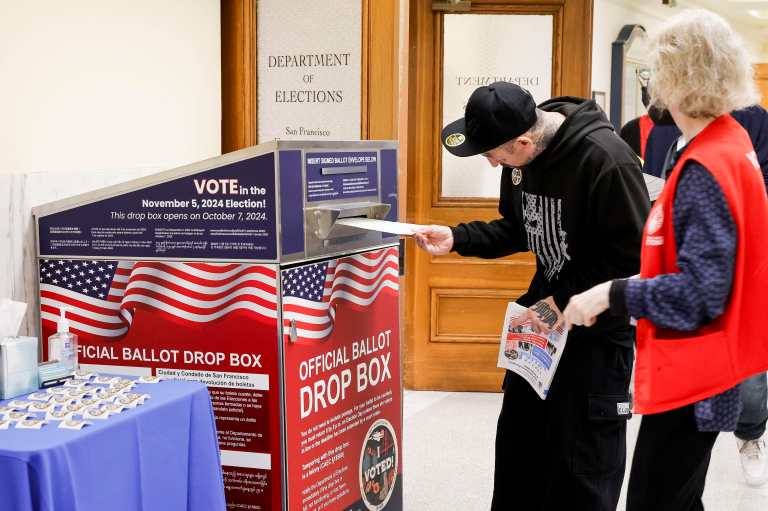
[(573, 194)]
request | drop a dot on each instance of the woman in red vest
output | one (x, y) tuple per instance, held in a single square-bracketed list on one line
[(700, 299)]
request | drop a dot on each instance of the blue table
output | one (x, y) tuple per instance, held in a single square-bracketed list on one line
[(162, 455)]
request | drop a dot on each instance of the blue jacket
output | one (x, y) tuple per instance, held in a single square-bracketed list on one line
[(754, 119)]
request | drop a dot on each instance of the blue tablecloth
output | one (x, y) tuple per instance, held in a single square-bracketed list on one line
[(162, 455)]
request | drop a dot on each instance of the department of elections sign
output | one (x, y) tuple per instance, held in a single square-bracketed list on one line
[(309, 66)]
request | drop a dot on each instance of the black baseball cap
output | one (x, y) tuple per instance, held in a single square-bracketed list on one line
[(495, 114)]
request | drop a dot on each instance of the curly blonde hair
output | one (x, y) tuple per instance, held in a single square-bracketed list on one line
[(701, 65)]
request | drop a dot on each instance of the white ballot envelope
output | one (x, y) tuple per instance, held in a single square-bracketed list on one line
[(372, 224)]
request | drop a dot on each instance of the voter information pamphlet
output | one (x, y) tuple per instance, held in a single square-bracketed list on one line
[(528, 354), (654, 184)]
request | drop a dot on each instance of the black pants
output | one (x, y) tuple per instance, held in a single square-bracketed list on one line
[(670, 464), (568, 451)]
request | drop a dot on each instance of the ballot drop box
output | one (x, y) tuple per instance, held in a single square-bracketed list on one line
[(236, 272)]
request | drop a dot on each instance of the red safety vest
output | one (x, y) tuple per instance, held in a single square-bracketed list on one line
[(675, 368), (646, 125)]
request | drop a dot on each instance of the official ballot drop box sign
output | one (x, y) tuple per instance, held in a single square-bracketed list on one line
[(233, 272)]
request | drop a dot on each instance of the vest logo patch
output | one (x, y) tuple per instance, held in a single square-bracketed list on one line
[(655, 220), (752, 157), (622, 408), (654, 240)]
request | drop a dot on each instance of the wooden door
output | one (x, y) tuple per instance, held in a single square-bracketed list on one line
[(455, 306), (761, 76)]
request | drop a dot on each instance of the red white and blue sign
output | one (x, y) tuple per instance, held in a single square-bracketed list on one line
[(222, 213), (342, 383), (210, 322)]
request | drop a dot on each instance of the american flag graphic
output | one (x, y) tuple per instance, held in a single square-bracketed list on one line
[(311, 293), (103, 295)]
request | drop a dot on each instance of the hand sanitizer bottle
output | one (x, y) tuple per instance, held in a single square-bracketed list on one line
[(62, 345)]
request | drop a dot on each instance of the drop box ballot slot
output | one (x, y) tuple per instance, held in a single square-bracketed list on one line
[(234, 272)]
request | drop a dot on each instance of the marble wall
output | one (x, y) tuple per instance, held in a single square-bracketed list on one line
[(22, 192)]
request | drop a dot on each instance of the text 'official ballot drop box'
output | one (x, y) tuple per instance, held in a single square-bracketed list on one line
[(234, 272)]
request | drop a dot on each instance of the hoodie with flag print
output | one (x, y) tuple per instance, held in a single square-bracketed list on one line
[(579, 206)]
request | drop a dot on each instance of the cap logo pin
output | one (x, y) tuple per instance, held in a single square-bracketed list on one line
[(517, 176), (454, 140)]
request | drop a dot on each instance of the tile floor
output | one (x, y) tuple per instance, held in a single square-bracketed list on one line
[(439, 479)]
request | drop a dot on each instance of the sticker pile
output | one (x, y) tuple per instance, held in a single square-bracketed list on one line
[(78, 403)]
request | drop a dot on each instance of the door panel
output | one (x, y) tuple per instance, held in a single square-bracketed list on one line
[(761, 76), (458, 315), (454, 305), (476, 51)]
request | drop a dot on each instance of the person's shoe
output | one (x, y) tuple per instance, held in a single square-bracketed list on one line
[(754, 461)]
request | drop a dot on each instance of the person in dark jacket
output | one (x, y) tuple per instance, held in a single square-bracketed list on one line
[(664, 133), (573, 194), (635, 132)]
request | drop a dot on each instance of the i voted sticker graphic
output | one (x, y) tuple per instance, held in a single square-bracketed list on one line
[(378, 465)]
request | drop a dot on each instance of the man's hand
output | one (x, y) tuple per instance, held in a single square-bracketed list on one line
[(543, 316), (435, 239), (584, 308)]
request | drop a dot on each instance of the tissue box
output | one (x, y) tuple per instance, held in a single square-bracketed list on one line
[(18, 366)]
